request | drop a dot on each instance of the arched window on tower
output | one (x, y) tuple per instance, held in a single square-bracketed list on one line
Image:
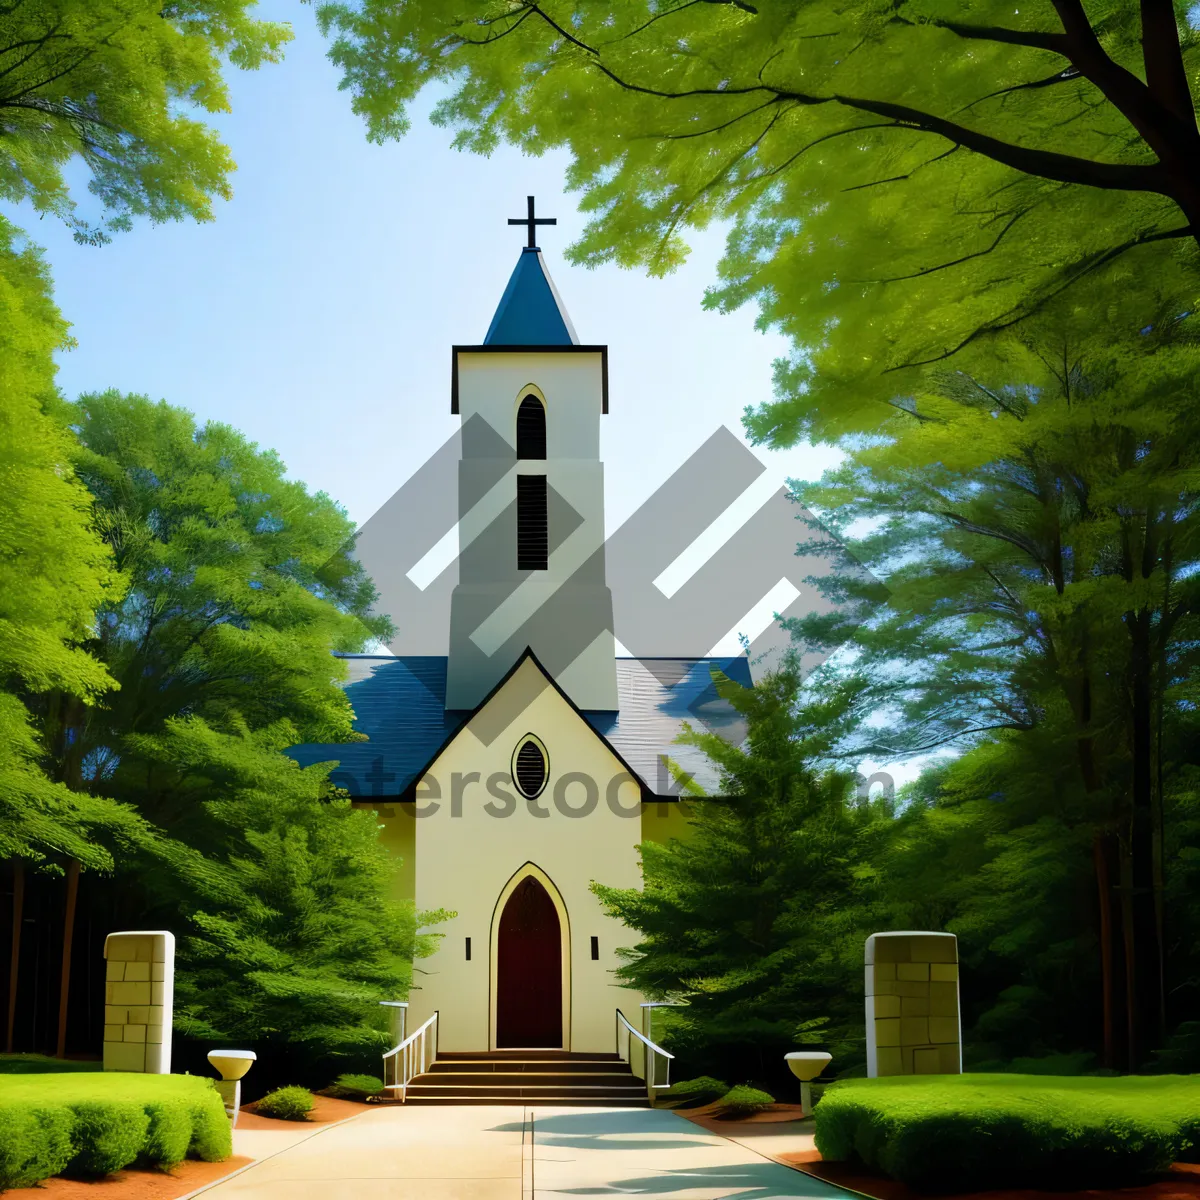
[(531, 428)]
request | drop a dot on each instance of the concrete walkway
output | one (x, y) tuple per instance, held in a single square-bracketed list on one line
[(483, 1153)]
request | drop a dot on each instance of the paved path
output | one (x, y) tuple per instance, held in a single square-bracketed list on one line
[(483, 1153)]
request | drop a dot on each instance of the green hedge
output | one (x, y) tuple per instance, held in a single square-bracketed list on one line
[(94, 1123), (354, 1087), (744, 1101), (286, 1103), (689, 1092), (966, 1132)]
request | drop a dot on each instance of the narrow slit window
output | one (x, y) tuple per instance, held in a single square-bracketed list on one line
[(533, 537), (531, 429), (596, 948), (468, 949)]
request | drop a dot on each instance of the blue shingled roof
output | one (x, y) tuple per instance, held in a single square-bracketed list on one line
[(531, 312), (400, 704)]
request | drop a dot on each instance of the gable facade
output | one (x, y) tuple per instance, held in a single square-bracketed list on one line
[(476, 837)]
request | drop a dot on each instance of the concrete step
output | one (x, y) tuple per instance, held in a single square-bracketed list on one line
[(529, 1078), (555, 1056), (555, 1101), (525, 1077), (558, 1087), (517, 1069)]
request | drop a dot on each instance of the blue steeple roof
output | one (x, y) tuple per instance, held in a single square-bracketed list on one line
[(531, 312)]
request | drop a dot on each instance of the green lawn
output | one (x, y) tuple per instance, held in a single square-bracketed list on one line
[(93, 1123), (958, 1132)]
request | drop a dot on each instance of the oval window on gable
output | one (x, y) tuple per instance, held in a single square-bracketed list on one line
[(530, 766)]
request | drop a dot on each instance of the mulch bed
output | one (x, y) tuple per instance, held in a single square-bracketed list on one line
[(1182, 1183), (709, 1117), (324, 1111), (133, 1185)]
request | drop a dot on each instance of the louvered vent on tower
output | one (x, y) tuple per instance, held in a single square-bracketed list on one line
[(533, 535)]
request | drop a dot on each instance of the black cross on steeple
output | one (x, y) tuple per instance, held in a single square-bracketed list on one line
[(531, 221)]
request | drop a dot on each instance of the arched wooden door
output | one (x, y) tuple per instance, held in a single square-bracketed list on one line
[(529, 971)]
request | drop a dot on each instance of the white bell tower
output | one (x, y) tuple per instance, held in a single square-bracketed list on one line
[(531, 499)]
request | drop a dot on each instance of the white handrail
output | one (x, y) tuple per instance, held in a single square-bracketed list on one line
[(656, 1055), (411, 1053)]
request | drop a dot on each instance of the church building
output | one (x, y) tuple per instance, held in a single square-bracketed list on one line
[(526, 759)]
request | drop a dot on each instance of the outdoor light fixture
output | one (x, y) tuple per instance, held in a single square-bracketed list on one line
[(806, 1065), (232, 1064)]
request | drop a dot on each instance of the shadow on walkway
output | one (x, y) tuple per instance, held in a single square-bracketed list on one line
[(745, 1181), (610, 1129)]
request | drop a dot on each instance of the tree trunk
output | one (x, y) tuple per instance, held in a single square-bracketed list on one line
[(68, 939), (1100, 853), (1146, 990), (1158, 794), (1129, 946), (15, 961)]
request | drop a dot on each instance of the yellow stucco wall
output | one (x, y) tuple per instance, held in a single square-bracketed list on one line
[(470, 843)]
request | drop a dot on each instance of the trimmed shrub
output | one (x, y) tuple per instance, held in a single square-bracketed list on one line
[(354, 1087), (109, 1135), (286, 1103), (169, 1135), (212, 1134), (93, 1123), (745, 1101), (967, 1132), (689, 1092), (1189, 1128), (35, 1143)]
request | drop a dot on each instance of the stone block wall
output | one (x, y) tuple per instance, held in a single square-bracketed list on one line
[(139, 982), (913, 1024)]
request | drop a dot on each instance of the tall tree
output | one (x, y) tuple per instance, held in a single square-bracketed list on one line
[(54, 572), (115, 84), (756, 918), (1035, 518), (283, 893), (905, 177), (241, 585)]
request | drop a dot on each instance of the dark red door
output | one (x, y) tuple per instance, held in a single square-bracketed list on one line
[(529, 971)]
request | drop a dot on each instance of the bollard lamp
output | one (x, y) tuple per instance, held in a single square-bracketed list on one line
[(806, 1065), (232, 1065)]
